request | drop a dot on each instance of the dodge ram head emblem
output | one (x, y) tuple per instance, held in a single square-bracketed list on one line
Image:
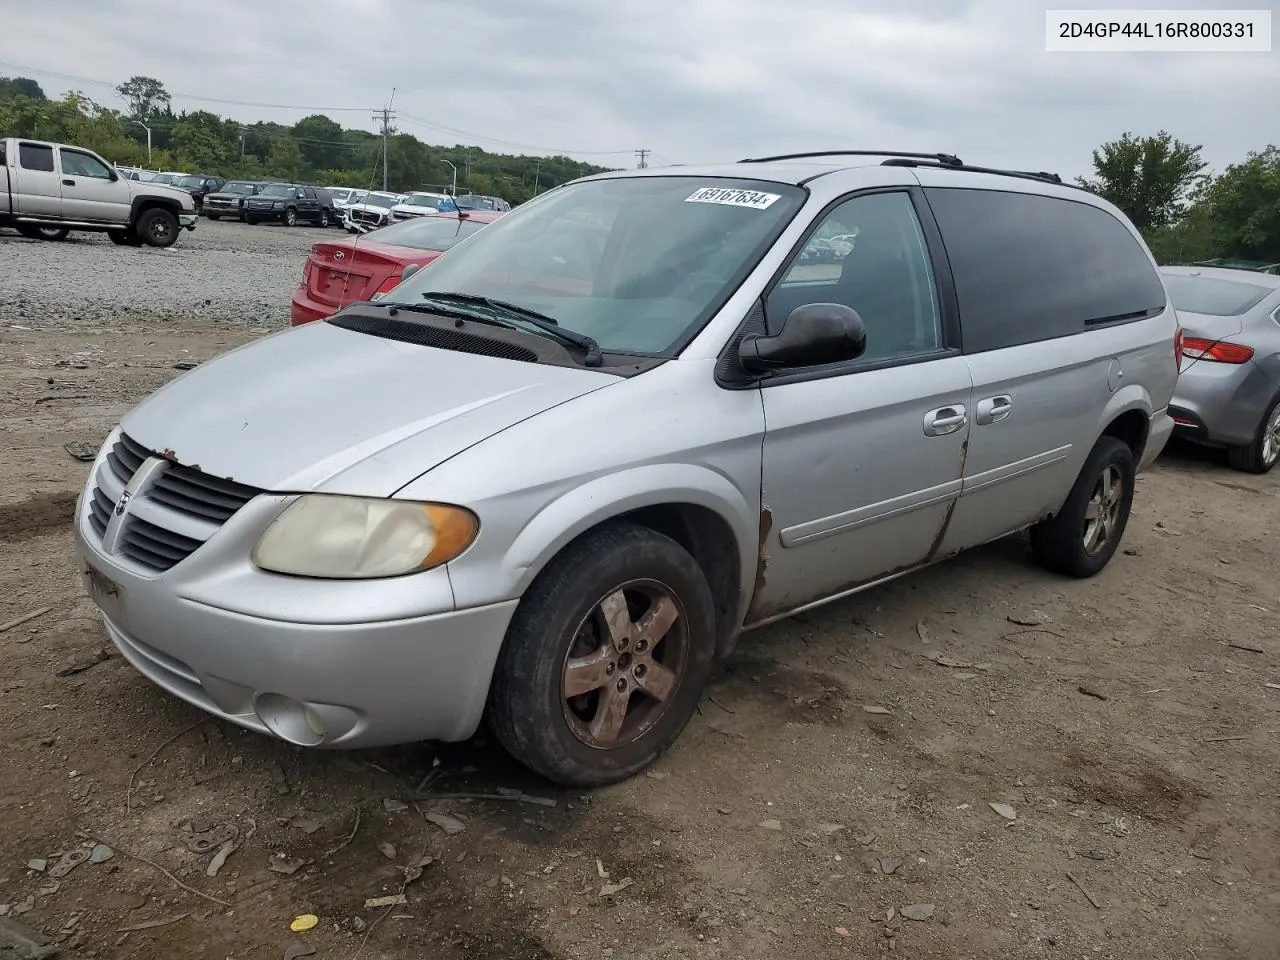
[(123, 503)]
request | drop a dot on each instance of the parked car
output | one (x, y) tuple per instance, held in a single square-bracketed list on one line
[(552, 476), (49, 189), (340, 272), (229, 201), (372, 211), (343, 197), (421, 204), (167, 178), (471, 201), (200, 186), (1228, 393), (288, 203)]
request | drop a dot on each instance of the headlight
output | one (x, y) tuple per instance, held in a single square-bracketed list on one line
[(353, 538), (278, 203)]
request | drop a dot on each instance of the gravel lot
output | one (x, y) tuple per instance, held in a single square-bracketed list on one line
[(1127, 720), (221, 271)]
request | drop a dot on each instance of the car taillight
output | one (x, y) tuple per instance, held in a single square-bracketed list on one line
[(388, 285), (1177, 348), (1196, 348)]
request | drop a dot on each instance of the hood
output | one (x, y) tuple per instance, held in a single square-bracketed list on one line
[(141, 188), (320, 408), (223, 195), (368, 206)]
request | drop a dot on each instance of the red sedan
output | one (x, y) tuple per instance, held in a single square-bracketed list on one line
[(339, 272)]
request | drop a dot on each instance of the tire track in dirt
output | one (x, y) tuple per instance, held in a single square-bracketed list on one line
[(37, 514)]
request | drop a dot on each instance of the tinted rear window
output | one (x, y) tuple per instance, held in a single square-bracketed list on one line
[(1213, 295), (1029, 267)]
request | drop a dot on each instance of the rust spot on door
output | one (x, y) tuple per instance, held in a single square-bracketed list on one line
[(762, 559)]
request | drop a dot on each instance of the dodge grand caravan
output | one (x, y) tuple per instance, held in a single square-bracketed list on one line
[(554, 475)]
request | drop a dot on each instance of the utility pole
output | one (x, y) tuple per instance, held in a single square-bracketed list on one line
[(455, 175), (385, 116), (537, 176), (148, 129), (642, 153), (467, 175)]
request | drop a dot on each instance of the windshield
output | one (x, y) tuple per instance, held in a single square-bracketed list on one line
[(637, 263), (166, 178), (1212, 295), (190, 182), (339, 194), (376, 201), (237, 186), (475, 203), (420, 201), (279, 190), (427, 233)]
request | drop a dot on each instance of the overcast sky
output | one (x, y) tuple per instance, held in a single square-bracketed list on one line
[(691, 80)]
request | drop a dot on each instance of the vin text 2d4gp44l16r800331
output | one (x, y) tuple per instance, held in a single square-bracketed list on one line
[(554, 474)]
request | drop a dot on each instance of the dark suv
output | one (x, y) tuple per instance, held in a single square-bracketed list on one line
[(288, 203), (200, 186), (229, 200)]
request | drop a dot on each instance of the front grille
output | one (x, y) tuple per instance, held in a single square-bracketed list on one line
[(171, 518), (366, 216)]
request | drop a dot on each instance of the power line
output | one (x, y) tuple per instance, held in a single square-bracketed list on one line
[(642, 153), (431, 125), (184, 96)]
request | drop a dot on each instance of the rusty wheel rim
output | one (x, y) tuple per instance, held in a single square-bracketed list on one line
[(624, 664)]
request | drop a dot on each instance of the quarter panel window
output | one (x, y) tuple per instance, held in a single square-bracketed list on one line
[(868, 253), (34, 156), (1029, 267)]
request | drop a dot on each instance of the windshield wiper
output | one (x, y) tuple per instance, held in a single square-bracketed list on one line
[(548, 325)]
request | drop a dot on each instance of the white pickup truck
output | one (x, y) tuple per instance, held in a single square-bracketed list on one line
[(49, 189)]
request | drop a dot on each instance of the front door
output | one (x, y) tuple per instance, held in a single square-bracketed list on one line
[(38, 192), (862, 461), (89, 189)]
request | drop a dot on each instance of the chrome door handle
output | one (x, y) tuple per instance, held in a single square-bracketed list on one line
[(945, 420), (994, 409)]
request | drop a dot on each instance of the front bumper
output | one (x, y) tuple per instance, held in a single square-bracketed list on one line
[(1223, 402), (187, 221), (263, 213), (315, 663)]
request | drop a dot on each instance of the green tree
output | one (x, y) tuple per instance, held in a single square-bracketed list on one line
[(1149, 178), (11, 87), (284, 160), (144, 95), (320, 142), (200, 138), (1242, 208)]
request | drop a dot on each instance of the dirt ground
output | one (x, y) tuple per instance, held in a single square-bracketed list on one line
[(1125, 720)]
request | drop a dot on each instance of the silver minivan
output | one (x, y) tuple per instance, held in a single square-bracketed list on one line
[(554, 475)]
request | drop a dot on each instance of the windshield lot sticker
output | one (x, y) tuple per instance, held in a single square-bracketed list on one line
[(733, 197)]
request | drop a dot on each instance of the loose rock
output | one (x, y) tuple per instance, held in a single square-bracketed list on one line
[(918, 911), (1004, 810)]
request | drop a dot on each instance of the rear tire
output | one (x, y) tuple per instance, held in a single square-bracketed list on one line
[(625, 616), (158, 227), (1261, 455), (1083, 536)]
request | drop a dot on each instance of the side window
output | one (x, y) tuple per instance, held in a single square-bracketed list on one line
[(35, 156), (869, 254), (1029, 267), (77, 164)]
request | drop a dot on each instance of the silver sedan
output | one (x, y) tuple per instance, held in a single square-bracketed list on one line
[(1228, 392)]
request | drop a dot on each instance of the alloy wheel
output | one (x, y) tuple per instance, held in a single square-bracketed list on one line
[(1101, 516)]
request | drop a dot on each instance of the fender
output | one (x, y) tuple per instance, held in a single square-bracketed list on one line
[(152, 200), (592, 503), (1133, 396)]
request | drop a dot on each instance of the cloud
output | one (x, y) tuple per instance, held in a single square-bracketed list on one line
[(691, 80)]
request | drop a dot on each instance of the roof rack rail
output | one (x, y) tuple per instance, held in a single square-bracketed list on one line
[(945, 159), (1041, 175)]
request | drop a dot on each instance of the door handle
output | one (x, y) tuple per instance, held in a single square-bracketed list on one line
[(945, 420), (68, 183), (994, 409)]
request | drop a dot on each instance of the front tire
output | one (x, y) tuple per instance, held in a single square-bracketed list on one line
[(324, 218), (158, 227), (1084, 535), (290, 217), (214, 216), (1261, 455), (606, 657), (124, 238)]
